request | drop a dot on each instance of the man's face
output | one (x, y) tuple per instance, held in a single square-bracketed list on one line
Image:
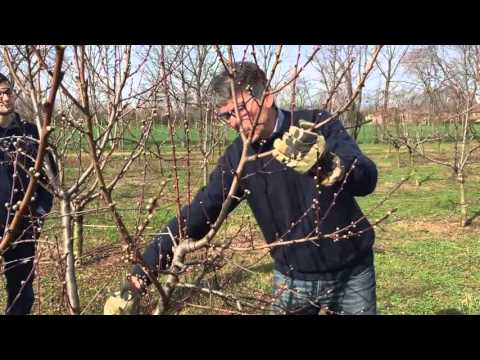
[(6, 98), (248, 108)]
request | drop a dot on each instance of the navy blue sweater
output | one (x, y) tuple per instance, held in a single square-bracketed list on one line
[(279, 196), (20, 135)]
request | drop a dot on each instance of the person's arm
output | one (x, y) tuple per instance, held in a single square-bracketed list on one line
[(44, 199), (197, 219), (327, 152), (363, 177)]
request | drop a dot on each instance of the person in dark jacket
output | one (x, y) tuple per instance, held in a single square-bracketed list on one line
[(304, 192), (18, 149)]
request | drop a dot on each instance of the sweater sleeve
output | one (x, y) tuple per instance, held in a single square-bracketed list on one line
[(196, 218), (44, 199), (363, 177)]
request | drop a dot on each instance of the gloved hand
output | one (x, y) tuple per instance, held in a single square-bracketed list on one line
[(123, 302), (331, 169), (301, 148)]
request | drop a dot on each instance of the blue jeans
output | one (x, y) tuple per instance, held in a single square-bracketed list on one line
[(351, 294), (19, 275)]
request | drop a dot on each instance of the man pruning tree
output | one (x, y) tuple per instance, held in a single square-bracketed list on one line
[(305, 190)]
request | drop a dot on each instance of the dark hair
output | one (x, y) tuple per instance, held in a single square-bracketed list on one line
[(3, 78), (247, 75)]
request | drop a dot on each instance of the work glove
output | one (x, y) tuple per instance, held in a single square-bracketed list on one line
[(123, 302), (301, 148)]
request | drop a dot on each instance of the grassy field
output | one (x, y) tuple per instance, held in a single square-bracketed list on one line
[(426, 263), (161, 136)]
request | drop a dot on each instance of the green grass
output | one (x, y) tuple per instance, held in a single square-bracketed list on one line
[(369, 134), (423, 273), (425, 263), (160, 135)]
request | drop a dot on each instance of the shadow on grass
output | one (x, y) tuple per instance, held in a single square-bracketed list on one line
[(469, 221), (263, 268), (450, 311), (224, 282)]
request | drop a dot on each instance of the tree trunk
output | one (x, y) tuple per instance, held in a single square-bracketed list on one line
[(78, 235), (205, 149), (205, 171), (463, 204), (159, 149), (358, 121), (70, 277), (413, 173), (113, 136)]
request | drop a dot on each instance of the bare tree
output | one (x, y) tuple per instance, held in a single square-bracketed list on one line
[(17, 211), (99, 83), (335, 65), (449, 77), (185, 246), (388, 65), (110, 99)]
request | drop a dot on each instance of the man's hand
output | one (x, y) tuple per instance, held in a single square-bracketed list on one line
[(301, 148), (123, 302)]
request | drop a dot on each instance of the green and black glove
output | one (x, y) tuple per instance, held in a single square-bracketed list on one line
[(123, 302), (301, 148)]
